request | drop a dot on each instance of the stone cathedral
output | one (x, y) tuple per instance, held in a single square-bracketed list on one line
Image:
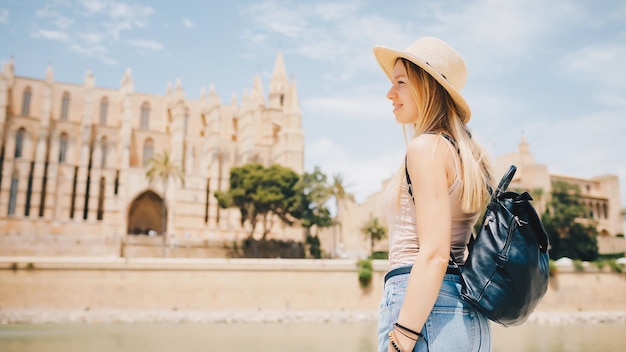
[(74, 157)]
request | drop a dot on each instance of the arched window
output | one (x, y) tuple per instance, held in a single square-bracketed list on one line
[(13, 194), (103, 148), (63, 139), (148, 151), (19, 142), (65, 106), (100, 212), (145, 116), (26, 101), (104, 107)]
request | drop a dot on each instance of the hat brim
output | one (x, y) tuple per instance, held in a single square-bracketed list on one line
[(387, 57)]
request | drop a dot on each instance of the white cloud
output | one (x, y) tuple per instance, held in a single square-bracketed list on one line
[(94, 28), (92, 6), (51, 35), (254, 38), (601, 64), (93, 37), (4, 16), (277, 18), (146, 44), (89, 50), (187, 22), (330, 32)]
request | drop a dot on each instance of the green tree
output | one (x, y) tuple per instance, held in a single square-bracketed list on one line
[(314, 193), (571, 234), (374, 231), (338, 191), (260, 193), (162, 168)]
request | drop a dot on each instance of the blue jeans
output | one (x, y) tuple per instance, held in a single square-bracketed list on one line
[(452, 325)]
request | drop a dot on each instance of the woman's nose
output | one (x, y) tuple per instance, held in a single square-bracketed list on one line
[(391, 93)]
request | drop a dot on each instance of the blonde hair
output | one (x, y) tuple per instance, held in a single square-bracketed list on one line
[(437, 111)]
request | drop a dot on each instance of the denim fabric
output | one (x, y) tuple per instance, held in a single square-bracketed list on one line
[(452, 325)]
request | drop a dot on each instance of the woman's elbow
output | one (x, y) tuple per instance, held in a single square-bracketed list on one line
[(436, 258)]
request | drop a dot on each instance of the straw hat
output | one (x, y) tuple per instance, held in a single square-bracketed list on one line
[(437, 58)]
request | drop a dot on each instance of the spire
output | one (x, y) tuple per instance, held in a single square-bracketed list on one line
[(9, 67), (49, 73), (127, 85), (257, 90), (90, 80), (214, 99), (278, 84), (179, 92), (280, 72), (257, 83), (524, 149), (292, 102)]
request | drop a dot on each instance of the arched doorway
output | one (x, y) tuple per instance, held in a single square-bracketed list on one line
[(147, 213)]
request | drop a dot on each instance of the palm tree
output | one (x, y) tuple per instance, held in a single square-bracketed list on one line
[(338, 191), (374, 231), (163, 168)]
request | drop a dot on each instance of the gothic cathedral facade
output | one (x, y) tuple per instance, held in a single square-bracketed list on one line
[(74, 157)]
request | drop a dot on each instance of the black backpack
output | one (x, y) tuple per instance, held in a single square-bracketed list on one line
[(505, 275)]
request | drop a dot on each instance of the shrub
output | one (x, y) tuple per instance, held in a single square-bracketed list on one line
[(365, 263), (578, 266), (365, 272), (616, 268), (380, 255), (365, 277)]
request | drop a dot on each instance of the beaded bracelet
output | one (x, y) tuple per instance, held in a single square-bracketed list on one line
[(392, 339)]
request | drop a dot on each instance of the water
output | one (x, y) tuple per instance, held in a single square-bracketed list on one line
[(301, 337)]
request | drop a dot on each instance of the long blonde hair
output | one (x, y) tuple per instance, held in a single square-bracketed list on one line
[(436, 112)]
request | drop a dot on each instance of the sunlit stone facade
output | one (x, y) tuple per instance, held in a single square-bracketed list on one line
[(74, 156)]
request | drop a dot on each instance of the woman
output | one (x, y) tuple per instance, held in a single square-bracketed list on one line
[(431, 204)]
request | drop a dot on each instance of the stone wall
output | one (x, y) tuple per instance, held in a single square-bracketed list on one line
[(175, 284)]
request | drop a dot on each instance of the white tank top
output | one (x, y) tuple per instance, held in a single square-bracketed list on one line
[(402, 228)]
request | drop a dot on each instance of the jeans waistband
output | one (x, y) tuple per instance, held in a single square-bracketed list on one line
[(407, 269)]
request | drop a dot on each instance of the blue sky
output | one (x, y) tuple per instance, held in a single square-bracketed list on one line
[(551, 70)]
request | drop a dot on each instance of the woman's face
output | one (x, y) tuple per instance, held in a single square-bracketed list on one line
[(402, 96)]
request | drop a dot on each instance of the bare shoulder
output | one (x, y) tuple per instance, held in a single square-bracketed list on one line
[(426, 148)]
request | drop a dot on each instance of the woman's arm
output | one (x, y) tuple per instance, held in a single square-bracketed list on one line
[(427, 161)]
